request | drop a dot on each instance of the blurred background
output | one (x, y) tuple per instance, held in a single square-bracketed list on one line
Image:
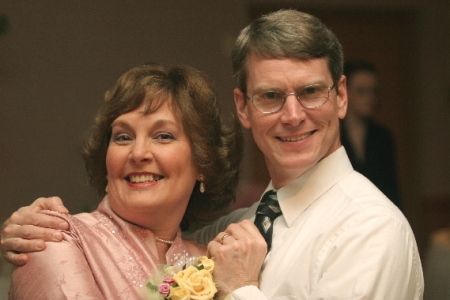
[(57, 58)]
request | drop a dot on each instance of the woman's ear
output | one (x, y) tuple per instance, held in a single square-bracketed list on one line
[(242, 108)]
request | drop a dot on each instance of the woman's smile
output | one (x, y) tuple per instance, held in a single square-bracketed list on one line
[(143, 178)]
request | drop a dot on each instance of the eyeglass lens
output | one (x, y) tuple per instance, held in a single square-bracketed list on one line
[(309, 97)]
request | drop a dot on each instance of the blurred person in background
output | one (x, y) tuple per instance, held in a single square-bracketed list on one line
[(437, 266), (370, 146)]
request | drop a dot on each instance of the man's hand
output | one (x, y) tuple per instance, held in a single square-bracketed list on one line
[(26, 229), (238, 254)]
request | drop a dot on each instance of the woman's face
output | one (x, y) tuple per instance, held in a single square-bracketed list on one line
[(151, 171)]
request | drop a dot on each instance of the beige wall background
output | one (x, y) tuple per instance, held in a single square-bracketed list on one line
[(59, 57)]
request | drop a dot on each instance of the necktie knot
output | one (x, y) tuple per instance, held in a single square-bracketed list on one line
[(269, 205)]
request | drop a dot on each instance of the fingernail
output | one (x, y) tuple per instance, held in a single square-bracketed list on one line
[(63, 226), (57, 236), (62, 209), (40, 245), (22, 259)]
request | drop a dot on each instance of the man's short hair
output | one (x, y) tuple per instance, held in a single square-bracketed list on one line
[(286, 34)]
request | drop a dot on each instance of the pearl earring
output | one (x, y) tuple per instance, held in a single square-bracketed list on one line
[(202, 185)]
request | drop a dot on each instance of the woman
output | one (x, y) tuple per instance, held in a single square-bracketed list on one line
[(161, 159)]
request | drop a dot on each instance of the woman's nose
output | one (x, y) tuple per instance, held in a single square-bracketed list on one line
[(141, 151)]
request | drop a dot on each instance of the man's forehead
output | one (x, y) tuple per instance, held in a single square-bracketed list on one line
[(257, 60), (310, 71)]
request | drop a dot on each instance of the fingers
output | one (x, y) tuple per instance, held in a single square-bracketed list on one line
[(241, 236), (11, 245), (224, 236), (17, 240), (29, 215), (24, 216), (239, 254), (50, 203), (22, 245), (16, 259), (28, 232), (243, 229), (238, 231), (27, 229)]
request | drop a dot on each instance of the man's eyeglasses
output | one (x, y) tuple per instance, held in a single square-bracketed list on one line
[(313, 96)]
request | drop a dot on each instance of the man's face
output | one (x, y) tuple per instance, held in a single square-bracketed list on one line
[(294, 138)]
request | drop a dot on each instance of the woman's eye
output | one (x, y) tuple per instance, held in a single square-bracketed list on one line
[(165, 136), (122, 138)]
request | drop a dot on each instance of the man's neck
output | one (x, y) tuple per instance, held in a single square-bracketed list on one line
[(281, 181)]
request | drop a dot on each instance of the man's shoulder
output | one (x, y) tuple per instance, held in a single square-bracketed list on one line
[(355, 205), (355, 185), (365, 197)]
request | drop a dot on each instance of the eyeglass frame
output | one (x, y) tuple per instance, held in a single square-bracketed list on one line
[(296, 96)]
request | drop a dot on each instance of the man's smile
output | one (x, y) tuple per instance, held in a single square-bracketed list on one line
[(297, 138)]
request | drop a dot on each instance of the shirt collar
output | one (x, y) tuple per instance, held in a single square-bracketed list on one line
[(297, 195)]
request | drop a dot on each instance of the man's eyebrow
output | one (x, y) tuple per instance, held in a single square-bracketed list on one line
[(274, 88)]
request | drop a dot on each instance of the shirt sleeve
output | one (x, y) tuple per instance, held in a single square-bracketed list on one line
[(206, 234), (58, 272), (374, 257), (251, 292)]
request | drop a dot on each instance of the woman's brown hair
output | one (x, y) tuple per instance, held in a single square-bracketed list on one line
[(217, 148)]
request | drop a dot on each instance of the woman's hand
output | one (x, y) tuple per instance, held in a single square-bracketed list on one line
[(238, 254), (26, 229)]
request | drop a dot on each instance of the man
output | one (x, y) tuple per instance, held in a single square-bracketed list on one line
[(369, 145), (338, 236)]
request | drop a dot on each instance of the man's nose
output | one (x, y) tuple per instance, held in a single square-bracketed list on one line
[(292, 111)]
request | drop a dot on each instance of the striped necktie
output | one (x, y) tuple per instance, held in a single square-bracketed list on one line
[(268, 210)]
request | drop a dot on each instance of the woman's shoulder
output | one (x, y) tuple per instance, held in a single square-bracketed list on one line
[(82, 226), (87, 218)]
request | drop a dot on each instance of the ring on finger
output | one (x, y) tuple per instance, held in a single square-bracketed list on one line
[(223, 237)]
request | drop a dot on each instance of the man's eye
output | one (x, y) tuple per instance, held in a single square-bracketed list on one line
[(271, 95), (310, 91)]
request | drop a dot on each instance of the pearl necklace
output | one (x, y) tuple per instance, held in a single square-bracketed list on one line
[(164, 241)]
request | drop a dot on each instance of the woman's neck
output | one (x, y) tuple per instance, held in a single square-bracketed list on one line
[(162, 251), (163, 241)]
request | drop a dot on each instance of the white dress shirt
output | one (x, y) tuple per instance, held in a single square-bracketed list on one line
[(339, 238)]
